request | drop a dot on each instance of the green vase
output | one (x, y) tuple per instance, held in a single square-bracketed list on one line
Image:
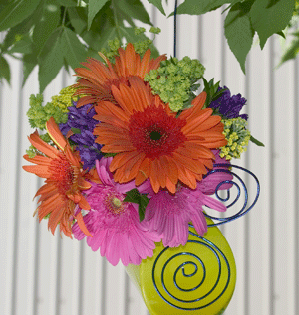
[(198, 278)]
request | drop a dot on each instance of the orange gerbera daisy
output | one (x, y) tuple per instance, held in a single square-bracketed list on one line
[(64, 182), (152, 142), (98, 80)]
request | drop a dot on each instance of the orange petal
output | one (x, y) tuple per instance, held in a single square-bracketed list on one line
[(55, 133), (81, 224)]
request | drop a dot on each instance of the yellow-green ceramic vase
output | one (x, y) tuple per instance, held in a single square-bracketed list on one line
[(198, 278)]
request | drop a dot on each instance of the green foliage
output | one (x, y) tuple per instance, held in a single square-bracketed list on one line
[(51, 34), (268, 19), (174, 80), (4, 70), (141, 199), (245, 17), (48, 33), (94, 7), (58, 108), (158, 5), (238, 31), (255, 141), (16, 12), (212, 91)]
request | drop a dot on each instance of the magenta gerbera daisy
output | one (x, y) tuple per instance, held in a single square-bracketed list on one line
[(113, 223)]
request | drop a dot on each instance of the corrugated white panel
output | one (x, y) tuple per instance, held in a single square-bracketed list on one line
[(42, 274)]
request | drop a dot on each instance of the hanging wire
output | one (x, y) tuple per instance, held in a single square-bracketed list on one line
[(174, 28)]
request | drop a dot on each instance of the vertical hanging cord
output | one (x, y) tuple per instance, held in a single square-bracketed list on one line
[(174, 28)]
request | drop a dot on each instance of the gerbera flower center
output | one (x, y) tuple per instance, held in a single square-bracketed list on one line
[(114, 204), (155, 132), (62, 173)]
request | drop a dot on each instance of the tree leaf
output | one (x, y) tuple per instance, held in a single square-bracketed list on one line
[(4, 69), (78, 19), (94, 7), (50, 18), (238, 31), (142, 207), (269, 20), (16, 12), (281, 33), (68, 3), (74, 51), (29, 63), (291, 52), (260, 144), (196, 7), (23, 46), (131, 9), (50, 59), (158, 5)]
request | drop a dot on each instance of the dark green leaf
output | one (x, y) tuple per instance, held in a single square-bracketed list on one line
[(133, 196), (158, 5), (269, 20), (68, 3), (16, 12), (51, 58), (131, 9), (29, 63), (23, 46), (78, 19), (260, 144), (74, 50), (291, 52), (94, 7), (196, 7), (50, 18), (142, 207), (281, 33), (4, 69), (238, 31)]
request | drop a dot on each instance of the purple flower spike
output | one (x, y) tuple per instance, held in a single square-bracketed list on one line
[(82, 118), (229, 106)]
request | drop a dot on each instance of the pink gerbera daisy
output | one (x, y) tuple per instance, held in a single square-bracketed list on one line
[(169, 214), (115, 224)]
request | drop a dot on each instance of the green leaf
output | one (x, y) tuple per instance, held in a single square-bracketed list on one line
[(281, 33), (238, 31), (16, 12), (129, 10), (50, 19), (196, 7), (291, 52), (142, 207), (260, 144), (4, 69), (78, 19), (158, 5), (68, 3), (142, 200), (29, 63), (74, 50), (269, 20), (51, 58), (23, 46), (94, 7)]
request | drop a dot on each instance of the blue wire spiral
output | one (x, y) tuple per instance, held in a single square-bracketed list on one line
[(201, 241)]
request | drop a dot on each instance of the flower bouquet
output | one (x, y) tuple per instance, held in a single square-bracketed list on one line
[(131, 158)]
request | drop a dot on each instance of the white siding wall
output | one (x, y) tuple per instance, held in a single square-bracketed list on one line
[(41, 274)]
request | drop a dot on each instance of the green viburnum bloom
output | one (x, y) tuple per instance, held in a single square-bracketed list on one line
[(237, 137), (57, 108), (174, 80)]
